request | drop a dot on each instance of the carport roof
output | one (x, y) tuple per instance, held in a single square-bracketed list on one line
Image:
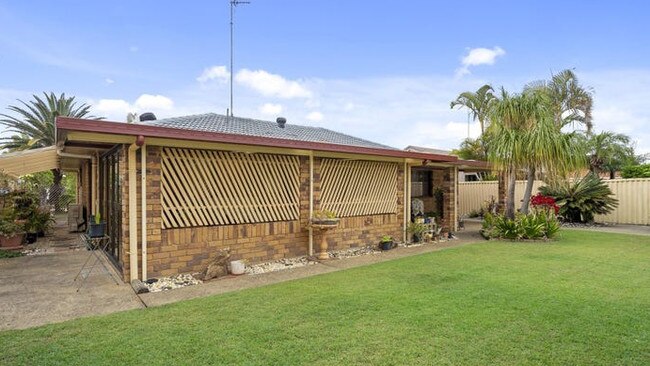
[(30, 161)]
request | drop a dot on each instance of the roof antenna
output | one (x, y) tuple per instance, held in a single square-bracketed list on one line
[(233, 4)]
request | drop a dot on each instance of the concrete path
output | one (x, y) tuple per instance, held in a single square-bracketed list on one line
[(37, 290), (619, 229)]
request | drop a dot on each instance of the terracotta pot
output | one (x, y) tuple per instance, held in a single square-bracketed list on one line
[(11, 241)]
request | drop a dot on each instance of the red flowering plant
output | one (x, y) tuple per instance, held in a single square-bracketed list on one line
[(544, 203)]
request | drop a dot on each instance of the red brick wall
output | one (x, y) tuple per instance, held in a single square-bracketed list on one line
[(172, 251)]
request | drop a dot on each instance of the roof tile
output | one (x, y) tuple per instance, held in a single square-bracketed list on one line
[(212, 122)]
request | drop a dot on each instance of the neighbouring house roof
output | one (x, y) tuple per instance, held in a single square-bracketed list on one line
[(427, 150), (217, 128), (467, 165), (212, 122)]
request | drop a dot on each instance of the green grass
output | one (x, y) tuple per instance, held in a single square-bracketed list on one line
[(9, 254), (584, 299)]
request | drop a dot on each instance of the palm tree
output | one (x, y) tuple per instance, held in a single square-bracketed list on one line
[(523, 134), (478, 104), (569, 103), (609, 152), (33, 125)]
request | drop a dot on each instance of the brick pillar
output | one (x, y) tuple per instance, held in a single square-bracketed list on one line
[(154, 209), (124, 169), (449, 198)]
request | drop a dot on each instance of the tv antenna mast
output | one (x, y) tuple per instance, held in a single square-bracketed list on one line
[(233, 5)]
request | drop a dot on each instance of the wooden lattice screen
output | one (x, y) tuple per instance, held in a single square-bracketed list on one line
[(206, 188), (354, 188)]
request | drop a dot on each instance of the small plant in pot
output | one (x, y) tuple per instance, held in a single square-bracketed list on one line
[(324, 217), (417, 230), (11, 234), (386, 243), (97, 227), (44, 221)]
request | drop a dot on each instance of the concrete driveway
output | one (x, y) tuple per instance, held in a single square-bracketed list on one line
[(39, 289)]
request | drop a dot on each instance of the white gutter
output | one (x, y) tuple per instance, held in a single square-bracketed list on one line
[(143, 196), (133, 214), (76, 156)]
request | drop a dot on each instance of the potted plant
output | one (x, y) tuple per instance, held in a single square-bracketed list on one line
[(97, 227), (44, 222), (324, 217), (386, 242), (11, 234), (417, 229)]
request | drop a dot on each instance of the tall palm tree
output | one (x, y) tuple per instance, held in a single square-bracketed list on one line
[(569, 103), (523, 134), (478, 104), (33, 125), (609, 152)]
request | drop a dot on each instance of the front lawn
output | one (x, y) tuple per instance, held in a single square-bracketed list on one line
[(584, 299)]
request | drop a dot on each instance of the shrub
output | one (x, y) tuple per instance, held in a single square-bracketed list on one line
[(580, 200), (536, 225), (636, 171)]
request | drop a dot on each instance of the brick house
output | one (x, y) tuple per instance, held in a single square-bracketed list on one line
[(174, 191)]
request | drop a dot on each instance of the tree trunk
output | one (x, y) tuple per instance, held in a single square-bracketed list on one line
[(529, 190), (612, 174), (56, 191), (501, 192), (510, 199)]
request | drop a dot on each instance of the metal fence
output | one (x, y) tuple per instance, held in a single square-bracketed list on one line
[(633, 198)]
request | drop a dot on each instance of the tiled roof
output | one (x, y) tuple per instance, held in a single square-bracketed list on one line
[(212, 122)]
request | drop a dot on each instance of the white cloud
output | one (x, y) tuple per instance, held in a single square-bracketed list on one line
[(479, 56), (270, 109), (117, 109), (109, 81), (272, 85), (315, 116), (219, 73), (114, 109), (153, 102), (395, 111)]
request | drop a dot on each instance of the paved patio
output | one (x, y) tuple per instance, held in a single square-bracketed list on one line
[(39, 289)]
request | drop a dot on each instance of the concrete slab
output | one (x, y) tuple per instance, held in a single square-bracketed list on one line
[(37, 290), (619, 229)]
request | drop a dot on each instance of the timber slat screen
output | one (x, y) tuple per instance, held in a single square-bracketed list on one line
[(208, 188), (357, 187)]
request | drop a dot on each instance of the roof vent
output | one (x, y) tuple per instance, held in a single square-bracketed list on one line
[(281, 121), (147, 117)]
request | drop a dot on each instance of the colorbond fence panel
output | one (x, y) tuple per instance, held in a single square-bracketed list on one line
[(207, 188), (633, 196), (357, 187), (633, 202)]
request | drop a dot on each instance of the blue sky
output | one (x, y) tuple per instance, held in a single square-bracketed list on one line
[(382, 70)]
